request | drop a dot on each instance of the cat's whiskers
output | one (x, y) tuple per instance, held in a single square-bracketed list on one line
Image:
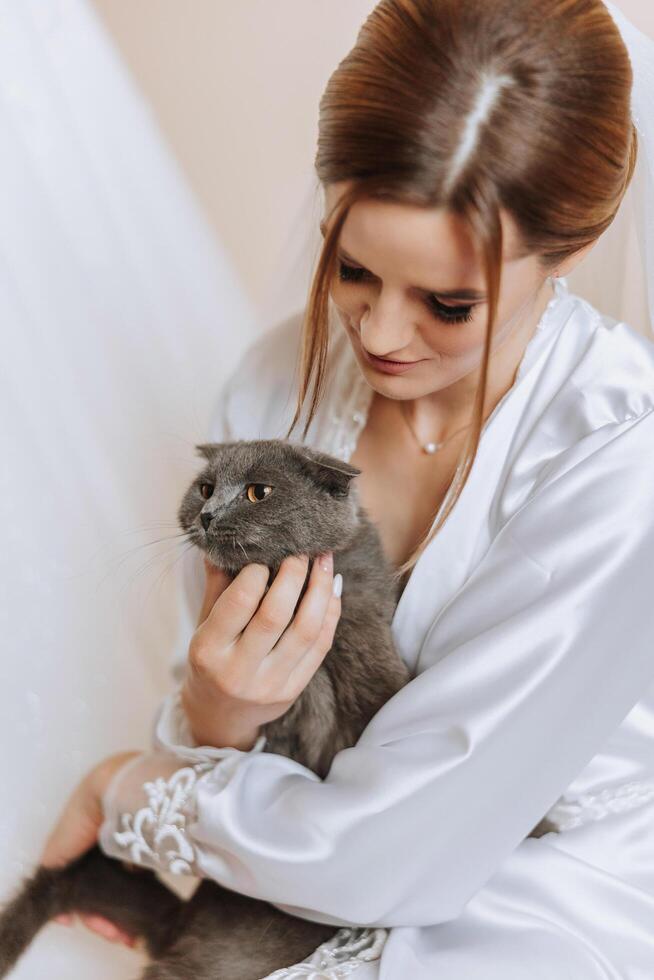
[(153, 559), (114, 563), (149, 544), (166, 570), (150, 525)]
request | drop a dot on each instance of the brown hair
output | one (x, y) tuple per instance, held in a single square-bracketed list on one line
[(399, 120)]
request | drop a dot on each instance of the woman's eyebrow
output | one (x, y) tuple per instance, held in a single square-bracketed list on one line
[(472, 294)]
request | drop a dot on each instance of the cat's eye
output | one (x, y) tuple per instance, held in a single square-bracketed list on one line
[(257, 492), (206, 490)]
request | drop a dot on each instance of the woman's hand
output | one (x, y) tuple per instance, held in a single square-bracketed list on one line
[(77, 830), (250, 657)]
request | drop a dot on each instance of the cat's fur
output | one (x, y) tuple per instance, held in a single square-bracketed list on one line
[(219, 934)]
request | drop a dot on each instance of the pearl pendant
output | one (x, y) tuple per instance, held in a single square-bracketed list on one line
[(430, 448)]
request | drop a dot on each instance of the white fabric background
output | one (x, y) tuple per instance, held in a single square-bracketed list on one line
[(119, 315)]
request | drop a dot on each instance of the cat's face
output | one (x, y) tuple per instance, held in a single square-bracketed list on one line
[(263, 500)]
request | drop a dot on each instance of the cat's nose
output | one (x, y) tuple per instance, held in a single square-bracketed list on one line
[(206, 520)]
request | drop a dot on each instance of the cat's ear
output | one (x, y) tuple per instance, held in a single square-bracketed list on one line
[(207, 449), (332, 475)]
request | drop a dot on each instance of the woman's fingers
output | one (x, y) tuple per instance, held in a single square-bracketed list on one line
[(235, 606), (216, 581), (276, 610), (308, 664), (307, 623)]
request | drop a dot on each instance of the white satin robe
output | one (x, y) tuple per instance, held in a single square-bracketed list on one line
[(528, 625)]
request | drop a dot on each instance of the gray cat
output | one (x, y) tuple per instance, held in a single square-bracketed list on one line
[(257, 501), (254, 501)]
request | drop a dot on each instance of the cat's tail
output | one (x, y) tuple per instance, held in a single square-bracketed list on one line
[(136, 902), (22, 918)]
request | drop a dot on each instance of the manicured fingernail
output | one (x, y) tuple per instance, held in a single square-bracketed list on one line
[(327, 561), (337, 587)]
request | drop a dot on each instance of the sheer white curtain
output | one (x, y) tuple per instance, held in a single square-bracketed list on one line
[(618, 274), (119, 316), (612, 276)]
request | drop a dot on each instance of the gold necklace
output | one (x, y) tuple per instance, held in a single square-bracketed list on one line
[(429, 447)]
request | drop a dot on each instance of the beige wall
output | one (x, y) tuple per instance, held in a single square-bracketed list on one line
[(235, 86)]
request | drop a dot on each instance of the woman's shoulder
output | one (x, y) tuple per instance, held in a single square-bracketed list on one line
[(594, 385), (617, 366), (599, 371)]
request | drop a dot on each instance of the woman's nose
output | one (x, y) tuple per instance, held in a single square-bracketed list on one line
[(384, 332)]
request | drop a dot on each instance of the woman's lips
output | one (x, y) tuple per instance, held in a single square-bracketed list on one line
[(389, 367)]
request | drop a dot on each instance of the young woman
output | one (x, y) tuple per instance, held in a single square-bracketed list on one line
[(471, 153)]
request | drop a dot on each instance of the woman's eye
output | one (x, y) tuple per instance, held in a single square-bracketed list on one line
[(450, 314), (447, 314), (206, 490), (257, 491), (349, 273)]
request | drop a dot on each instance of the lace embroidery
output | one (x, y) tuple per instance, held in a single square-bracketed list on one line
[(349, 423), (597, 806), (339, 957), (156, 834)]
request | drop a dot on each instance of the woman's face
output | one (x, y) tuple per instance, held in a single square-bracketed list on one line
[(408, 288)]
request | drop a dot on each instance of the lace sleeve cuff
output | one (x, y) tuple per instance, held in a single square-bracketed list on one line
[(150, 802)]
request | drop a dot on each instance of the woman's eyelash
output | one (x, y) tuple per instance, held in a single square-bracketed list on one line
[(449, 314)]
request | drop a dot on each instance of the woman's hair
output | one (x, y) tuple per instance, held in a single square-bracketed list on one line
[(476, 106)]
